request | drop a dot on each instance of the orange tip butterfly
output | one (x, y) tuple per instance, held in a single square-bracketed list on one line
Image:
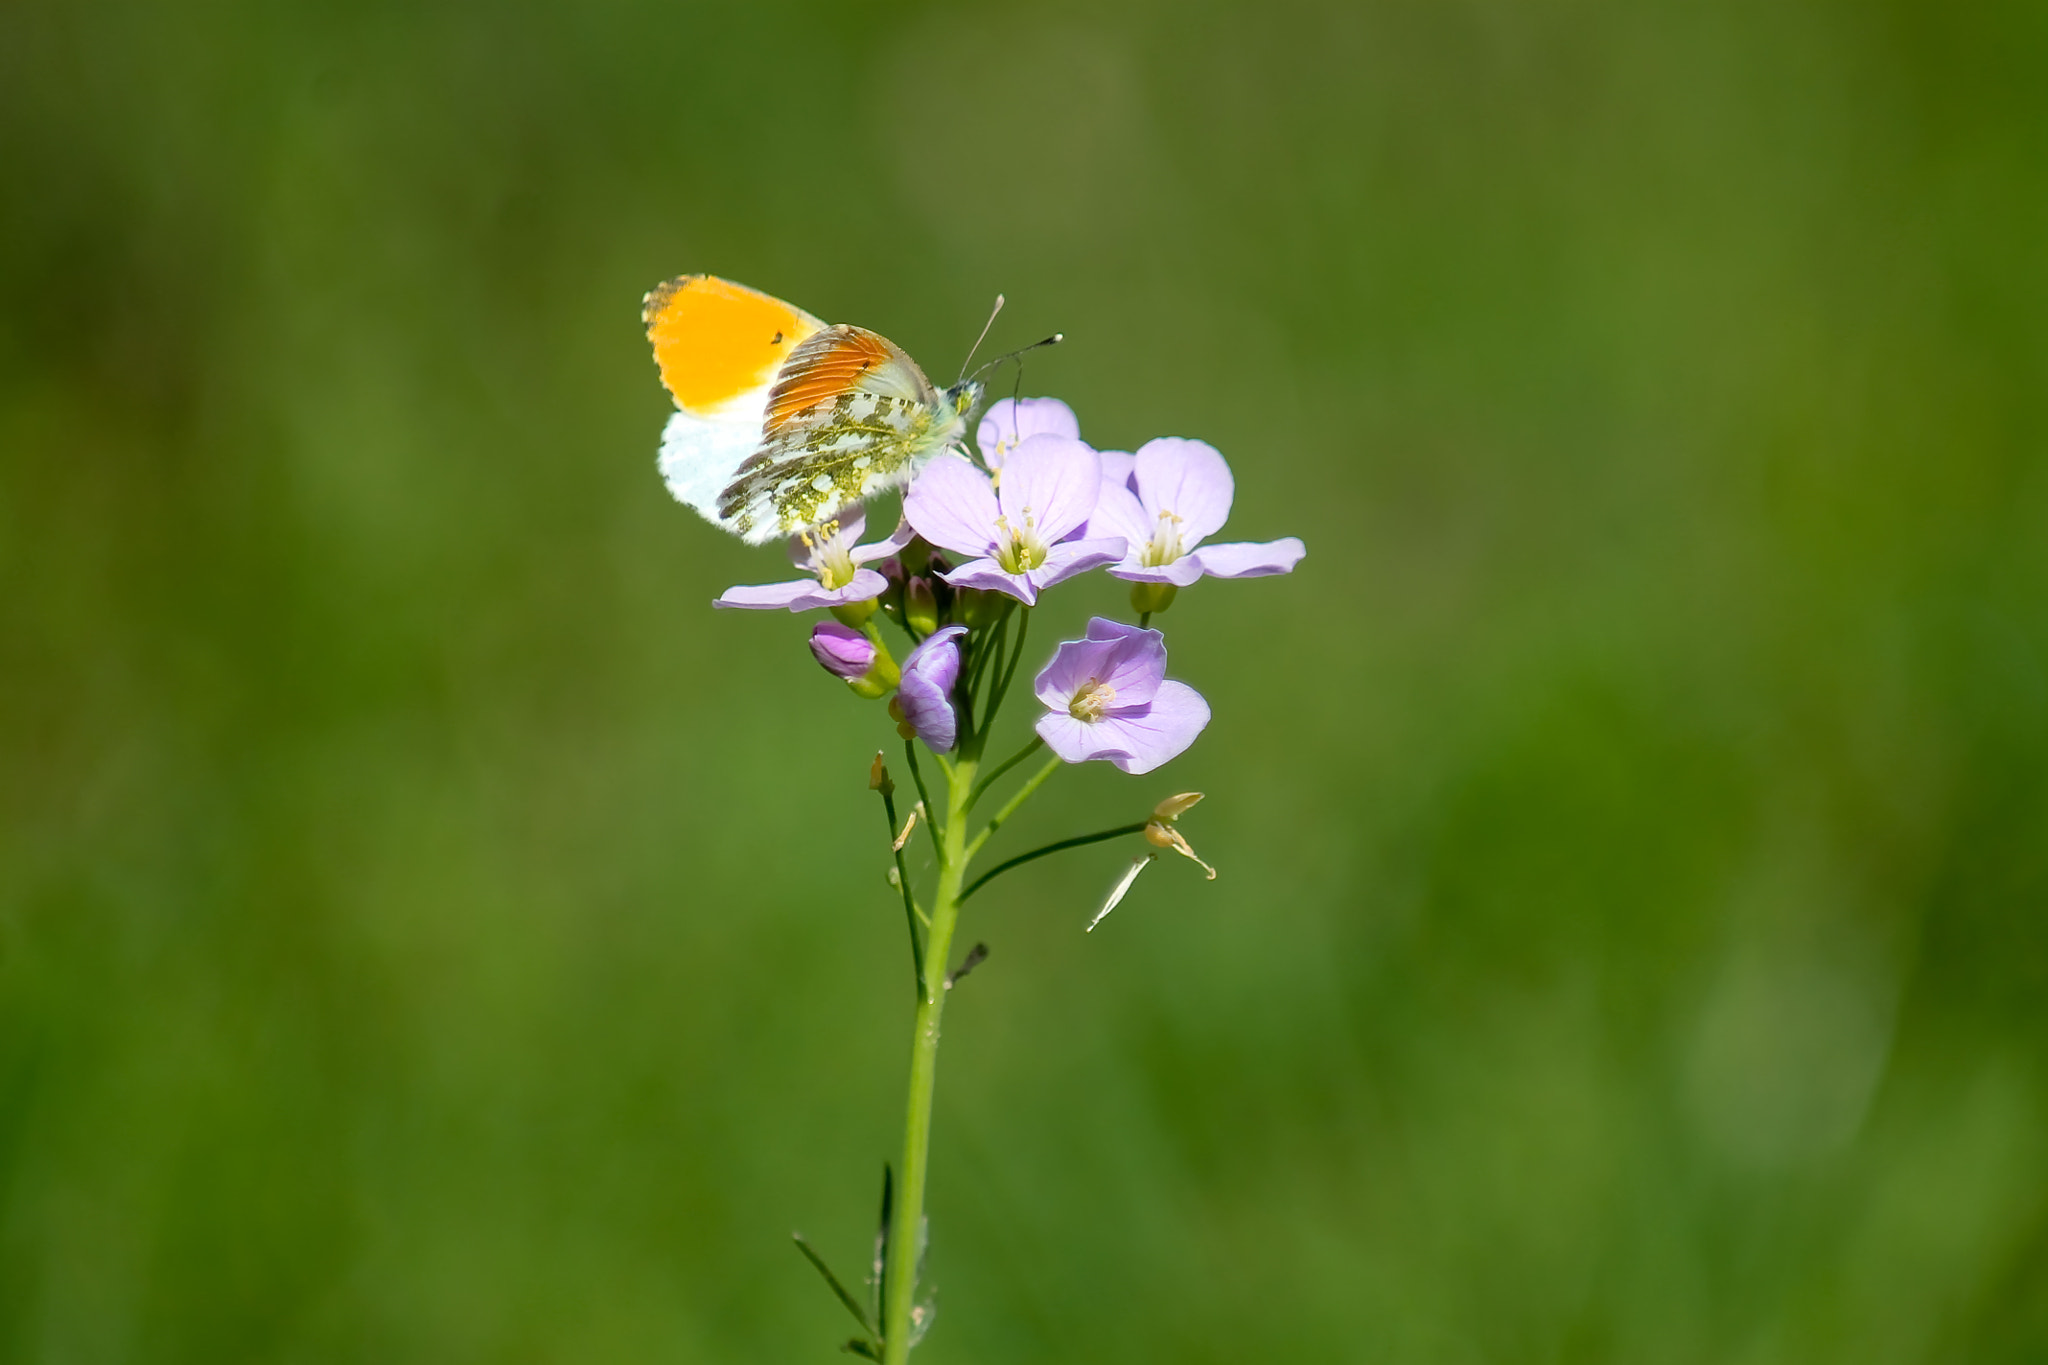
[(781, 421)]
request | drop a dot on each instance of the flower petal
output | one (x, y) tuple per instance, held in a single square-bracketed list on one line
[(1070, 557), (929, 712), (1073, 665), (1118, 467), (937, 658), (1135, 664), (926, 693), (843, 651), (1188, 479), (804, 594), (1077, 741), (1180, 573), (1009, 420), (1118, 513), (986, 573), (1130, 660), (1243, 559), (1053, 482), (953, 506), (882, 549), (1149, 736)]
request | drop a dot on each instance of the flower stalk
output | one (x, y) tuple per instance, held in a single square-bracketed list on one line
[(978, 543), (907, 1221)]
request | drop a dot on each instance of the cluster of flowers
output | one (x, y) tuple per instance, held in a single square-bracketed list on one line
[(1042, 507)]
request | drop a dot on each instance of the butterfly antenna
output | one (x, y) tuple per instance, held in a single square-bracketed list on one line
[(1055, 339), (983, 337)]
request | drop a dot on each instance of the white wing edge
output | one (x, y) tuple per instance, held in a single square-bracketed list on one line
[(700, 455)]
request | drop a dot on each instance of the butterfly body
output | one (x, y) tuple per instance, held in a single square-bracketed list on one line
[(782, 420)]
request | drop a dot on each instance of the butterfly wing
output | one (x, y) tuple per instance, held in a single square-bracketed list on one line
[(719, 347), (849, 415)]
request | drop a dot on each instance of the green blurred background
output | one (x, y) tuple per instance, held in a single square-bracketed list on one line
[(429, 933)]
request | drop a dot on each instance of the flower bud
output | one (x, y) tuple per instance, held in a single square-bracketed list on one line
[(854, 614), (891, 600), (978, 608), (1151, 598), (920, 606), (847, 653), (1160, 831)]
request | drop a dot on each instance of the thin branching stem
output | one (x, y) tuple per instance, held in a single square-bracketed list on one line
[(1010, 807), (909, 902), (1077, 841), (931, 814), (1010, 669), (988, 649), (1012, 761)]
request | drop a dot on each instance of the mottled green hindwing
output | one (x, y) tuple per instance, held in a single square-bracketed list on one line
[(837, 453)]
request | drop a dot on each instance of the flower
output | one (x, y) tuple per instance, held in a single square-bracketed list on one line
[(1176, 493), (1018, 532), (925, 696), (1108, 697), (857, 657), (834, 561), (843, 651), (1010, 420)]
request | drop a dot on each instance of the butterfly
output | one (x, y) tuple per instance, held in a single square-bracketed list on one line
[(782, 421)]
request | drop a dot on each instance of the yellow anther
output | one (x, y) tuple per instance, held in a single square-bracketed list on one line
[(1094, 698)]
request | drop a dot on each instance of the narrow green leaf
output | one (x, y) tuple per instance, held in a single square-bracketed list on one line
[(866, 1350), (852, 1304)]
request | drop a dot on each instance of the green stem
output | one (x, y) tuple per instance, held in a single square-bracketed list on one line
[(1009, 669), (988, 654), (1010, 807), (1144, 619), (1012, 761), (903, 880), (907, 1223), (931, 824), (1022, 858)]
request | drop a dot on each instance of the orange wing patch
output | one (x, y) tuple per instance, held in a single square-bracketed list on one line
[(831, 364), (715, 340)]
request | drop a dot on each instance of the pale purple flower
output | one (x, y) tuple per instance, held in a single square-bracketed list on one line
[(1118, 467), (1177, 494), (1017, 533), (925, 696), (1108, 697), (1009, 421), (827, 551), (843, 651)]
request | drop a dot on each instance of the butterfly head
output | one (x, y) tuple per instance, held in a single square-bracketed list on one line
[(962, 401)]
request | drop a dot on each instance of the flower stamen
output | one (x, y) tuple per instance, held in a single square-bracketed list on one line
[(1024, 549), (831, 557), (1165, 545), (1092, 701)]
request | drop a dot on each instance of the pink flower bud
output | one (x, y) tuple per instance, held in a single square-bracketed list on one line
[(843, 651)]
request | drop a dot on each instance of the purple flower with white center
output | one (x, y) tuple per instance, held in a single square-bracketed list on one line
[(1017, 533), (925, 696), (1010, 421), (1177, 494), (837, 579), (1108, 696)]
